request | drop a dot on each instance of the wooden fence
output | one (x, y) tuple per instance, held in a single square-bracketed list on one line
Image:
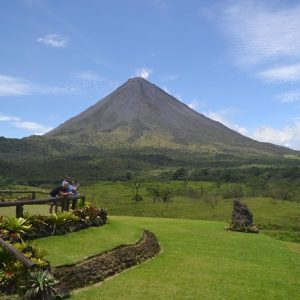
[(32, 192), (64, 201), (17, 254)]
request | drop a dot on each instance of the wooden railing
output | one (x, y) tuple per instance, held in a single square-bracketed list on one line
[(17, 254), (64, 201), (32, 192), (19, 204)]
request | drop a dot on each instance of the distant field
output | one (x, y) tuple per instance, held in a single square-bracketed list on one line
[(199, 260), (280, 219)]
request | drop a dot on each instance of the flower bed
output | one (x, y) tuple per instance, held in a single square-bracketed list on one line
[(17, 231), (36, 226)]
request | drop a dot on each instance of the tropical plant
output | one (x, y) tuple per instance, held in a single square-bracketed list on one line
[(5, 257), (62, 218), (16, 225), (11, 274), (90, 213), (41, 286), (26, 247)]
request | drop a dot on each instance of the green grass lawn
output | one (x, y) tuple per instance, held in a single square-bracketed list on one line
[(199, 260), (70, 248)]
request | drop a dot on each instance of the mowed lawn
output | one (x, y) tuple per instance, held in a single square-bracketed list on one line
[(199, 260)]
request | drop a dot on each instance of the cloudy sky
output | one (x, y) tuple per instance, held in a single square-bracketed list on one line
[(237, 62)]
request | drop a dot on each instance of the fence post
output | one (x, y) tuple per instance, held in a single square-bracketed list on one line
[(19, 211), (65, 204), (33, 195), (74, 203)]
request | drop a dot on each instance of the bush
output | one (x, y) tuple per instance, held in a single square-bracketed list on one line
[(91, 215), (16, 225), (13, 273), (40, 286)]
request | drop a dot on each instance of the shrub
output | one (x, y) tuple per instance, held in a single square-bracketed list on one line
[(16, 225), (41, 286), (60, 221), (92, 215)]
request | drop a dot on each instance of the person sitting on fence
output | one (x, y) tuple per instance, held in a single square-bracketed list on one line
[(61, 190), (73, 186), (68, 180)]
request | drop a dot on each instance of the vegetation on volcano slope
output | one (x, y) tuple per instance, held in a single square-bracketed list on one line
[(40, 160)]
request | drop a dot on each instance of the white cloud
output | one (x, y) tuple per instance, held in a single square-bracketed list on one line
[(14, 86), (289, 97), (54, 40), (286, 136), (264, 36), (4, 118), (17, 122), (89, 76), (289, 136), (281, 74), (143, 72), (222, 117), (36, 128)]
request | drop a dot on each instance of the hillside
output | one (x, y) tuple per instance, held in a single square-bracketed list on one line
[(138, 128)]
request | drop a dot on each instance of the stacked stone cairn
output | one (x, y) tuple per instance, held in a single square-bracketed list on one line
[(242, 218)]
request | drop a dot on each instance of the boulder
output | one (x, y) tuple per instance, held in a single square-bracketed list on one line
[(242, 218)]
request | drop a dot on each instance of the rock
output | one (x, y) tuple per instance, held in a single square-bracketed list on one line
[(242, 218)]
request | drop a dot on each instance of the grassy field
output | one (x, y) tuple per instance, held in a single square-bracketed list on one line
[(79, 245), (280, 219), (199, 260)]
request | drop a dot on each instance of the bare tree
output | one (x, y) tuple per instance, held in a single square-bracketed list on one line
[(154, 192)]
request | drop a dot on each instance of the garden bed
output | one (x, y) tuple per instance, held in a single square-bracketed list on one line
[(14, 276), (104, 265)]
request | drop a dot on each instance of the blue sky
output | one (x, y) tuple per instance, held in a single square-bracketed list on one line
[(237, 62)]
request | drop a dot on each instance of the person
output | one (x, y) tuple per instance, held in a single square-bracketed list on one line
[(67, 180), (73, 187), (61, 190)]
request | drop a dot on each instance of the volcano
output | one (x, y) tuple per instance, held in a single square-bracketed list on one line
[(139, 113)]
